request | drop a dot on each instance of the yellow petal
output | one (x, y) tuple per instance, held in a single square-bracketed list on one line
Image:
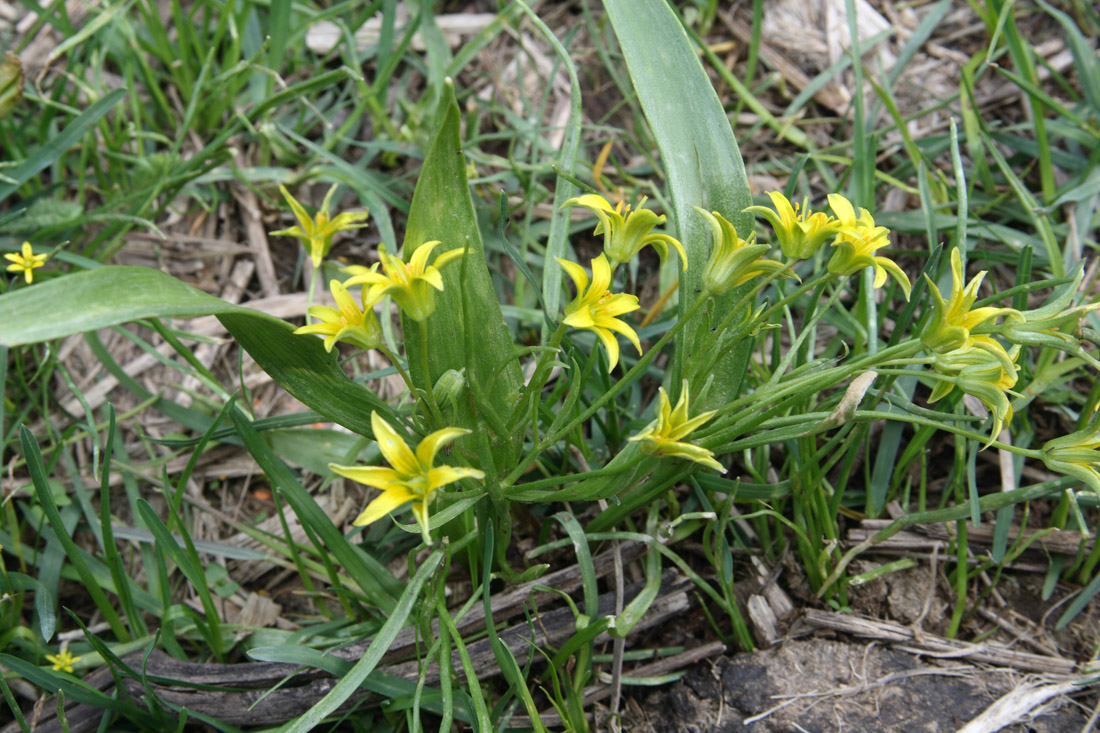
[(383, 504), (393, 447), (576, 273), (419, 258), (425, 452), (375, 476)]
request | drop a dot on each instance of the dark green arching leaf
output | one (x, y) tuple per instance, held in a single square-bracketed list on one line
[(108, 296), (699, 154)]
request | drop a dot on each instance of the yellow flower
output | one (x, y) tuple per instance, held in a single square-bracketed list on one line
[(63, 661), (625, 233), (733, 261), (857, 241), (412, 478), (26, 261), (1077, 454), (347, 322), (317, 233), (666, 436), (596, 308), (952, 321), (800, 231), (983, 374), (410, 284)]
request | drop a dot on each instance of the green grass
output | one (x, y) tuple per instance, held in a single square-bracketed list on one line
[(115, 521)]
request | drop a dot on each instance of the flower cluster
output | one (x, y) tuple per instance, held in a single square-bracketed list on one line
[(801, 232)]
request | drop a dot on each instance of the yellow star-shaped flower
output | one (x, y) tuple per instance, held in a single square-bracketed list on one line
[(953, 320), (411, 284), (626, 232), (665, 437), (317, 232), (596, 308), (63, 661), (800, 232), (856, 242), (412, 478), (26, 261), (347, 322)]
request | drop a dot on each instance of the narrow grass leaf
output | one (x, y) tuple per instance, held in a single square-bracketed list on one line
[(372, 577), (57, 145), (33, 457), (352, 681)]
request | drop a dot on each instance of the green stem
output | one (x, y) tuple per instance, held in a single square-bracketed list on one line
[(400, 369), (628, 378), (429, 392)]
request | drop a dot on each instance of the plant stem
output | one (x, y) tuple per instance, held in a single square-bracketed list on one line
[(429, 392), (626, 380)]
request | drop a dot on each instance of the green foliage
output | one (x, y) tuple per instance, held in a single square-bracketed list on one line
[(808, 373)]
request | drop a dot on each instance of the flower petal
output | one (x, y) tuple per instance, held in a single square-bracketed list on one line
[(393, 447), (425, 452), (443, 475), (383, 504), (377, 476), (419, 259), (576, 272)]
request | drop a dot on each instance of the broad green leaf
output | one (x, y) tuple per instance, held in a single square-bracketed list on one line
[(699, 154), (108, 296), (467, 330)]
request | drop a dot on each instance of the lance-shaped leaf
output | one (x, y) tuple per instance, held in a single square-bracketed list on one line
[(467, 330), (700, 157)]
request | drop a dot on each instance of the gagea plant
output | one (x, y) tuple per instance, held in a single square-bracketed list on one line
[(549, 391)]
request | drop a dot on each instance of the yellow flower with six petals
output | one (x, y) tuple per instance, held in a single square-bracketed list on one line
[(63, 661), (347, 321), (857, 241), (317, 232), (625, 233), (596, 308), (412, 477), (665, 437), (952, 321), (800, 232), (26, 261), (411, 284)]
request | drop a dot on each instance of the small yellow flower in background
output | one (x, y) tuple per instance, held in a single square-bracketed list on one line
[(733, 261), (316, 233), (666, 436), (953, 320), (347, 321), (625, 233), (26, 261), (411, 285), (857, 241), (596, 308), (63, 661), (982, 374), (800, 232), (412, 478), (1077, 454)]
